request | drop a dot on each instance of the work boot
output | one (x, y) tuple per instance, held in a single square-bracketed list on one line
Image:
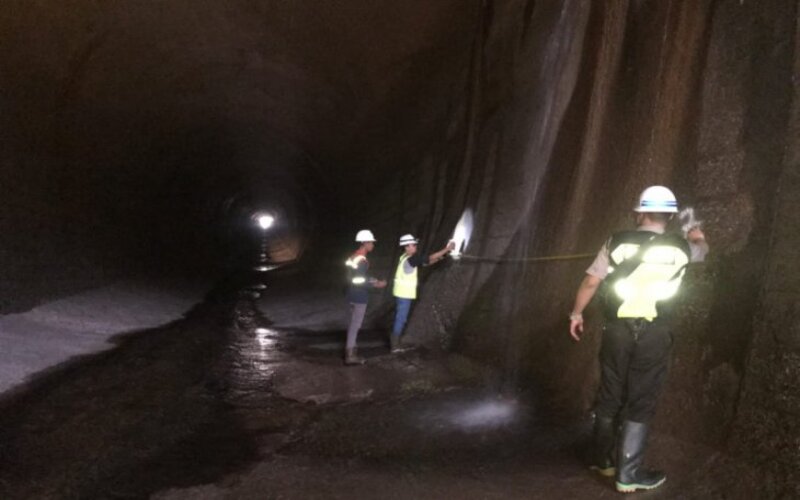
[(631, 474), (603, 441), (351, 357), (395, 343)]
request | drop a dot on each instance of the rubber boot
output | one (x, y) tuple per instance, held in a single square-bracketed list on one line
[(603, 440), (351, 357), (631, 474)]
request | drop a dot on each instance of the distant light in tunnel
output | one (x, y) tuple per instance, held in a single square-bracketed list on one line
[(462, 233), (265, 221)]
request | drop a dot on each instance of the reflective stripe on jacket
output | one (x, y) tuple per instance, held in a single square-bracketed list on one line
[(645, 286), (357, 279), (354, 275)]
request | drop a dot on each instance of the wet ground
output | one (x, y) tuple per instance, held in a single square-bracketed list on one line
[(232, 402)]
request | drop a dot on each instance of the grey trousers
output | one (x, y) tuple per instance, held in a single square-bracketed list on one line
[(356, 319)]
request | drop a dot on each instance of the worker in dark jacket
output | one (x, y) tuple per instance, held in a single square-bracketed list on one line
[(359, 285), (642, 271)]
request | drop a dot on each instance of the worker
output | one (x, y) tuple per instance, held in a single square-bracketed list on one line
[(406, 281), (359, 285), (642, 272)]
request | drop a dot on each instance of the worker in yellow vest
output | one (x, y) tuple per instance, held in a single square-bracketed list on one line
[(642, 271), (405, 281)]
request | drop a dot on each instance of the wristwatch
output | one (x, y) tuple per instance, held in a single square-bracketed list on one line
[(575, 316)]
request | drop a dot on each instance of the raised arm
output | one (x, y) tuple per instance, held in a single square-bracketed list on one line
[(437, 256)]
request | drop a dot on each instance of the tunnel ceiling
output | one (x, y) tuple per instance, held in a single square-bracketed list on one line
[(149, 115), (179, 81)]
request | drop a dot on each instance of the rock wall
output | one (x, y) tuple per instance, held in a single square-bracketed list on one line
[(694, 95), (767, 423)]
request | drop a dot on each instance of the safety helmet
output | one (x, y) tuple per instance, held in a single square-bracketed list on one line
[(364, 236), (408, 239), (657, 199)]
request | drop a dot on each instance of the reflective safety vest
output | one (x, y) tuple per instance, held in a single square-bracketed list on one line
[(405, 284), (645, 273)]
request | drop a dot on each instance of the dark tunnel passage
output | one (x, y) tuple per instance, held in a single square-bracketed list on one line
[(153, 332)]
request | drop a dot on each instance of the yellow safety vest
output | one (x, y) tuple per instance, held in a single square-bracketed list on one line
[(405, 284), (657, 278)]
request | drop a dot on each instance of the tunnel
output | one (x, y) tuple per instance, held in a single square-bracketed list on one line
[(158, 343)]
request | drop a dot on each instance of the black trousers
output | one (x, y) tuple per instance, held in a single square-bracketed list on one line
[(634, 360)]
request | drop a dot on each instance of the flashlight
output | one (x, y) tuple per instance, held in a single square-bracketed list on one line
[(461, 234)]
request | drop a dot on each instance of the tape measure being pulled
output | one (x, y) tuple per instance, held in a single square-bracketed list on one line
[(526, 259)]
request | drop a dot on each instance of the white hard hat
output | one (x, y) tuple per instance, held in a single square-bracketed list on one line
[(657, 199), (408, 239), (364, 236)]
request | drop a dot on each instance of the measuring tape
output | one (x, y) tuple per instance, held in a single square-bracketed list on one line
[(528, 259)]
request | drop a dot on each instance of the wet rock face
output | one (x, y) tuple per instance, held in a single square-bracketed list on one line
[(767, 420), (127, 127), (697, 96)]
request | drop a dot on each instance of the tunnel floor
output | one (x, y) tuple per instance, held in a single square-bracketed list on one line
[(231, 402)]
